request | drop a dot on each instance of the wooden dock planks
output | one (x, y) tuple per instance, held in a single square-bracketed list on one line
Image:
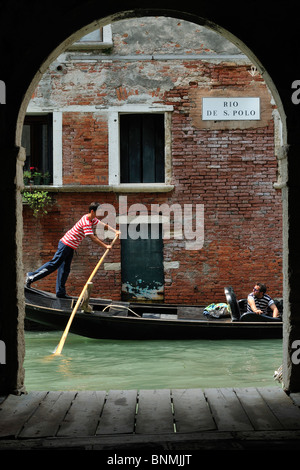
[(118, 416), (47, 418), (16, 410), (154, 413), (147, 412), (191, 411), (257, 409), (227, 410), (282, 406), (83, 415)]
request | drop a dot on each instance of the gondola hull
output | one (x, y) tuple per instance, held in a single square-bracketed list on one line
[(49, 311)]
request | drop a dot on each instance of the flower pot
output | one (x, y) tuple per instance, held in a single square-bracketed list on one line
[(46, 179), (36, 180)]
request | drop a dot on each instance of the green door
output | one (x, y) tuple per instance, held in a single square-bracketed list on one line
[(142, 267)]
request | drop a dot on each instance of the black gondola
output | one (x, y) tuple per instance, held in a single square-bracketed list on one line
[(121, 320)]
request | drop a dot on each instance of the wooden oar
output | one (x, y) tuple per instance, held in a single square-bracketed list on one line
[(65, 333)]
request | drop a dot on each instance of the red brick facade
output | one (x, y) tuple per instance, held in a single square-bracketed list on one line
[(229, 167), (85, 149)]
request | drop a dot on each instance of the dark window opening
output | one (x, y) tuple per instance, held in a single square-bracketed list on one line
[(142, 144), (37, 140)]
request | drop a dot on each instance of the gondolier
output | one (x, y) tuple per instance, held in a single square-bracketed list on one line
[(259, 301), (62, 259)]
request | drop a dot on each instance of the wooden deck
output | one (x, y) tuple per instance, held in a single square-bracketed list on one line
[(230, 418)]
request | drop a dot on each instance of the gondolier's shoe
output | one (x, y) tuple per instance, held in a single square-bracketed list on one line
[(28, 280), (63, 296)]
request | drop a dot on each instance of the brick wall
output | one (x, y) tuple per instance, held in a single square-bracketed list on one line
[(85, 149), (41, 237), (242, 227), (229, 167)]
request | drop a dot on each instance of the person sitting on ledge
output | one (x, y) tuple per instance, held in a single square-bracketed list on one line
[(259, 302), (66, 246)]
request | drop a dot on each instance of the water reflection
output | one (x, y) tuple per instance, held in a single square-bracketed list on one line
[(87, 364)]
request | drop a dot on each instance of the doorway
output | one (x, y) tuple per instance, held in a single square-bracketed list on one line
[(142, 264)]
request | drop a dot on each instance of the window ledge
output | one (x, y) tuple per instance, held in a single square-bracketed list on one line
[(142, 188), (118, 188), (88, 46)]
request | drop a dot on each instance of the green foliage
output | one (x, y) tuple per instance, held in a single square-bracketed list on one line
[(38, 201), (27, 174), (34, 176)]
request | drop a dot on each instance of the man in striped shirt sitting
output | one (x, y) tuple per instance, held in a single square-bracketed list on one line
[(259, 301), (67, 245)]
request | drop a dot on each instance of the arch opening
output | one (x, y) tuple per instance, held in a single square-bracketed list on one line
[(122, 15)]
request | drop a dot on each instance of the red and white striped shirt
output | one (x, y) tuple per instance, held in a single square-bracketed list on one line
[(81, 229)]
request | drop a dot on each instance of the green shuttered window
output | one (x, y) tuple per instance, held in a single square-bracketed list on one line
[(142, 144)]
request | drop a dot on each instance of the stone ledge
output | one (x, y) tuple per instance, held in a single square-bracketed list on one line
[(120, 188)]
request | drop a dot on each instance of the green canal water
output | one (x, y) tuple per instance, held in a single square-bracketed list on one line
[(87, 364)]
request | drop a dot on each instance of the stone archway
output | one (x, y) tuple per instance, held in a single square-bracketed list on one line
[(11, 326)]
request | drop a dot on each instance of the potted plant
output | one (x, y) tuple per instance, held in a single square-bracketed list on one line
[(46, 177), (38, 201), (37, 176), (26, 177)]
